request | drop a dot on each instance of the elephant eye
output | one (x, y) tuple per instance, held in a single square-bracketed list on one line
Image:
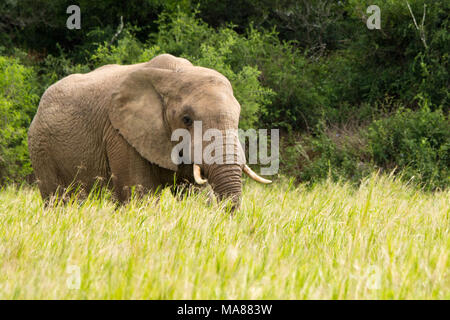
[(187, 120)]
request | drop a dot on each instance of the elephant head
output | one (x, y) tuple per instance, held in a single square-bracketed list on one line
[(169, 93)]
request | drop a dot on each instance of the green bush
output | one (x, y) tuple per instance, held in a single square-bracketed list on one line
[(330, 152), (418, 143), (54, 68), (127, 51), (335, 61), (394, 61), (18, 103)]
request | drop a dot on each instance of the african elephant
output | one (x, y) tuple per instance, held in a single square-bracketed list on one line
[(114, 124)]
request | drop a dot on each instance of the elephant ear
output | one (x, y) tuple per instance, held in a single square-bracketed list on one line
[(137, 111)]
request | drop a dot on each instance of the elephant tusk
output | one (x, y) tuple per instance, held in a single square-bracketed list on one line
[(197, 175), (254, 176)]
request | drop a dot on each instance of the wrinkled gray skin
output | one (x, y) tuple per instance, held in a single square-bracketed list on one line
[(113, 125)]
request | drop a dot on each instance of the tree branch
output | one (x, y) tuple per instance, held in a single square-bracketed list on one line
[(421, 29), (119, 30)]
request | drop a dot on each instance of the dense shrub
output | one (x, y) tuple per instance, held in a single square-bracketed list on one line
[(395, 60), (418, 143), (415, 144), (18, 102), (331, 152), (342, 63)]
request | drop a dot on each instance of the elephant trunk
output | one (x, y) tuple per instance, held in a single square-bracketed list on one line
[(223, 160), (225, 180)]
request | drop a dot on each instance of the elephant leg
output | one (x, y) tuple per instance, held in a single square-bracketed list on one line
[(129, 170), (56, 186), (46, 172), (52, 185)]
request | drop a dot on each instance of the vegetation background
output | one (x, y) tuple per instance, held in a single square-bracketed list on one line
[(349, 102)]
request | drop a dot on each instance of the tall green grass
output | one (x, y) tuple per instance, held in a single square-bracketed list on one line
[(384, 240)]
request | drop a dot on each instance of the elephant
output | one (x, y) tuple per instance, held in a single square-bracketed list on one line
[(113, 126)]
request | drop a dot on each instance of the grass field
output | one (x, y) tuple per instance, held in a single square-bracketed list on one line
[(384, 240)]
